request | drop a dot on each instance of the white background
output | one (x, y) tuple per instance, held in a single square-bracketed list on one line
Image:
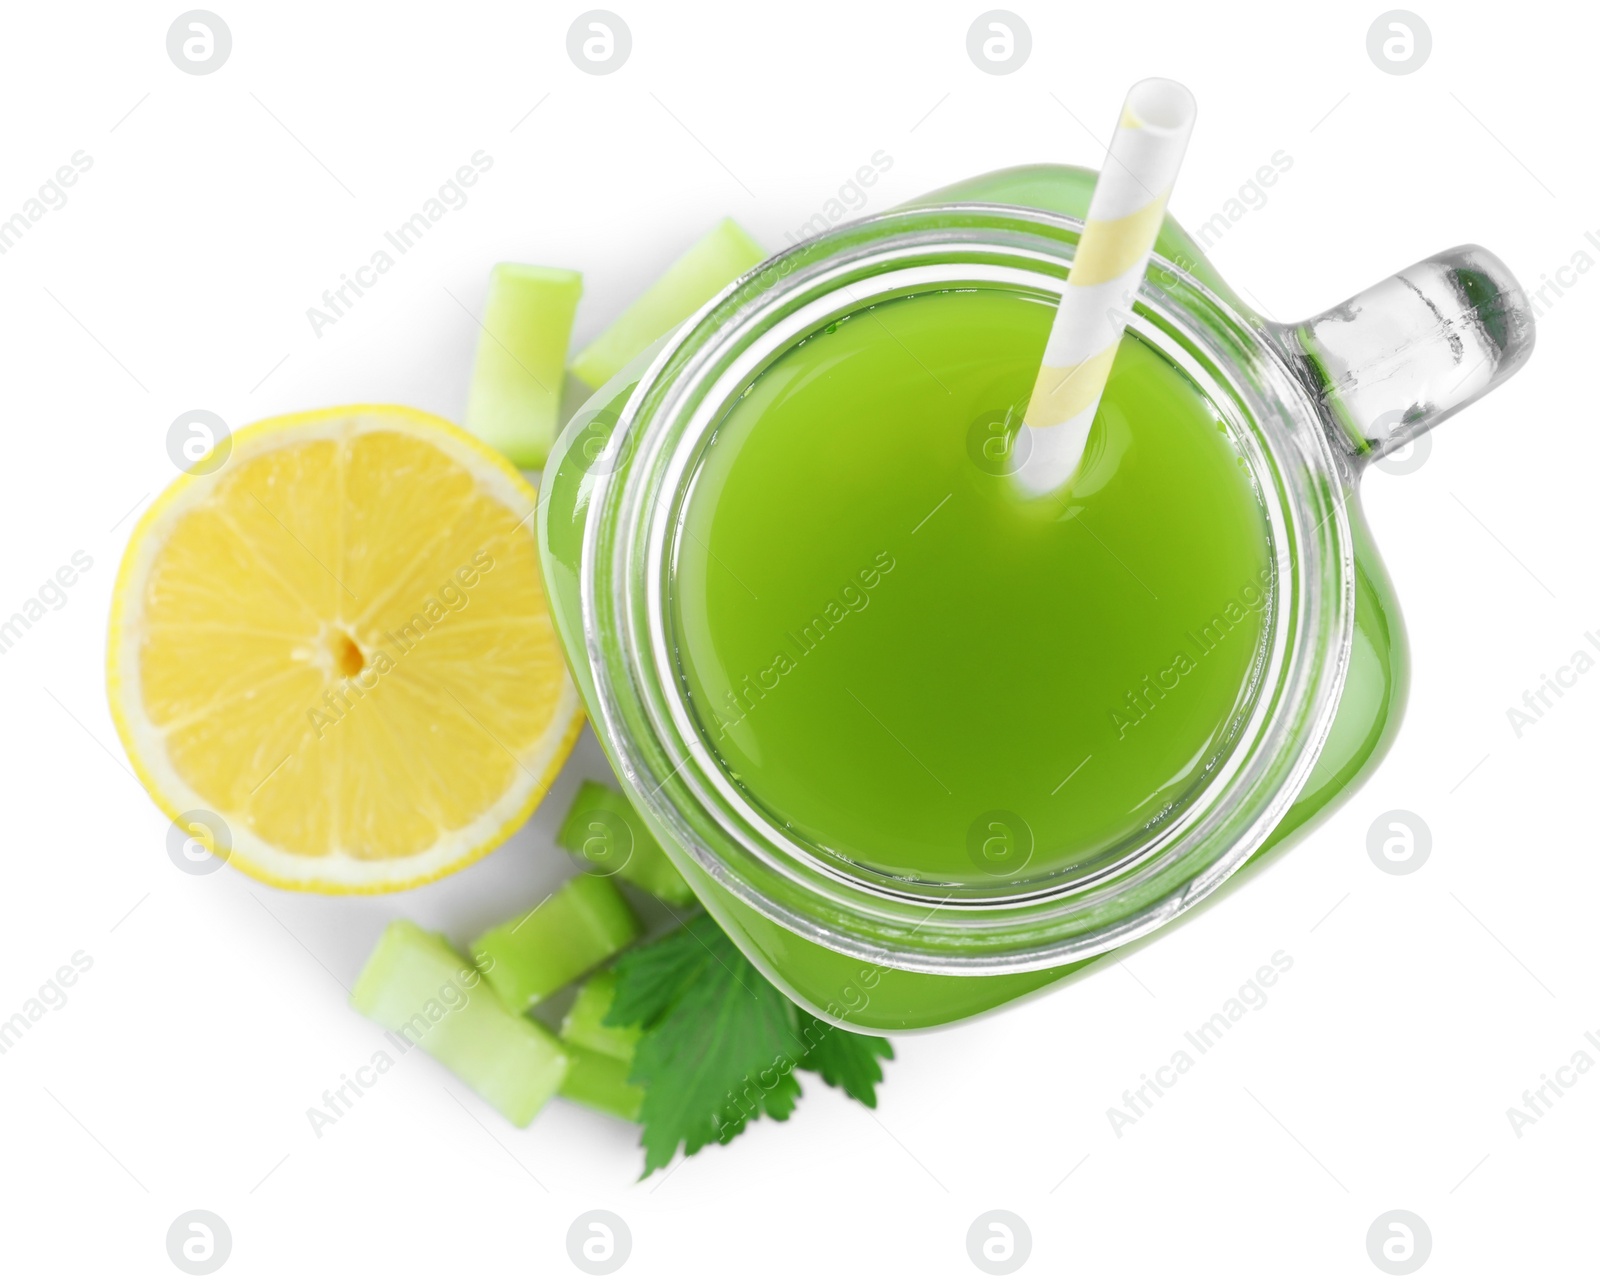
[(1419, 1008)]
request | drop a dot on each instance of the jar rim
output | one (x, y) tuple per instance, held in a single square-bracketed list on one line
[(625, 580)]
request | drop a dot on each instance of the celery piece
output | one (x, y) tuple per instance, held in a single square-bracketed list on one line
[(534, 954), (515, 398), (699, 273), (418, 986), (585, 1024), (601, 1082), (603, 827)]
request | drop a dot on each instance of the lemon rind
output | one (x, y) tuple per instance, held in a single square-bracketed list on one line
[(335, 873)]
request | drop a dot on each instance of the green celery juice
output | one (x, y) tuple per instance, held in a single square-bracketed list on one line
[(917, 671)]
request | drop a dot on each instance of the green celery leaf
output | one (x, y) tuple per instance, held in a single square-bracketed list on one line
[(719, 1042), (652, 977), (846, 1060)]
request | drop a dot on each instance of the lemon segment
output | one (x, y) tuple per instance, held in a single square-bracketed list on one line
[(339, 642)]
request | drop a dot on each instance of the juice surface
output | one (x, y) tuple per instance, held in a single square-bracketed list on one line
[(922, 674)]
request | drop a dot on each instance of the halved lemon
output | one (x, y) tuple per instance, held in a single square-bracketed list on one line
[(338, 643)]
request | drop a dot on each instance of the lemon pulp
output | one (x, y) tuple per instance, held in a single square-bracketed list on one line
[(339, 643)]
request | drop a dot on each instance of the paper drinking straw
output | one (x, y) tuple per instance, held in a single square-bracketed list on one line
[(1125, 213)]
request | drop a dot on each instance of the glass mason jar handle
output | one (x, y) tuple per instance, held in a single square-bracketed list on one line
[(1392, 362)]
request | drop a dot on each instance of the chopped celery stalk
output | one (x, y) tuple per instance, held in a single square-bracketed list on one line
[(418, 986), (699, 273), (585, 1024), (532, 955), (604, 828), (515, 398), (601, 1082)]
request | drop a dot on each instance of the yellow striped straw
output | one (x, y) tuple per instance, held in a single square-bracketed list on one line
[(1125, 212)]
